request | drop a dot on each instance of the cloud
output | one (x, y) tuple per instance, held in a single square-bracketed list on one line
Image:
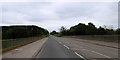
[(53, 15), (59, 0)]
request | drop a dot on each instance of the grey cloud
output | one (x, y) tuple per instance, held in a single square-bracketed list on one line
[(83, 9), (54, 14)]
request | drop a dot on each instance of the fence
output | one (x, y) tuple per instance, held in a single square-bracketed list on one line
[(12, 43), (110, 38)]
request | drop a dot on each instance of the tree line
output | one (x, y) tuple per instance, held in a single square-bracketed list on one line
[(89, 29), (12, 32)]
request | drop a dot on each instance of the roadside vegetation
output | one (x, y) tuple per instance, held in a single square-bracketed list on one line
[(56, 33), (89, 31), (15, 36), (12, 32)]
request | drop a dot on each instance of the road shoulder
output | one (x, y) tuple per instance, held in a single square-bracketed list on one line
[(27, 51)]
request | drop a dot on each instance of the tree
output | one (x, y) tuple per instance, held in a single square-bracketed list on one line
[(53, 32), (63, 30), (101, 31), (91, 29), (78, 29), (11, 32), (118, 31)]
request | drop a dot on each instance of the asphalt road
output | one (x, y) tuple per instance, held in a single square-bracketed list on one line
[(53, 49), (67, 48)]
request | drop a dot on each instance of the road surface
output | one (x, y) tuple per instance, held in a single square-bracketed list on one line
[(67, 48), (53, 49)]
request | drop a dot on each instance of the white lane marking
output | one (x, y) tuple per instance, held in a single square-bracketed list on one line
[(79, 55), (101, 54), (17, 49), (66, 46)]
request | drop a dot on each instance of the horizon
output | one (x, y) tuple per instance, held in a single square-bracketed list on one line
[(105, 27), (53, 15)]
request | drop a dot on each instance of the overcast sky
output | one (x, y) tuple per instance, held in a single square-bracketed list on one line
[(52, 15)]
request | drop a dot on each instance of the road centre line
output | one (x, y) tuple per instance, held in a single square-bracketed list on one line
[(79, 55), (66, 46)]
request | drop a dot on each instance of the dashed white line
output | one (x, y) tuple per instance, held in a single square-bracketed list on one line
[(66, 46), (79, 55), (101, 54)]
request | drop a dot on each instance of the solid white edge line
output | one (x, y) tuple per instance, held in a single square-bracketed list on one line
[(79, 55), (66, 46)]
